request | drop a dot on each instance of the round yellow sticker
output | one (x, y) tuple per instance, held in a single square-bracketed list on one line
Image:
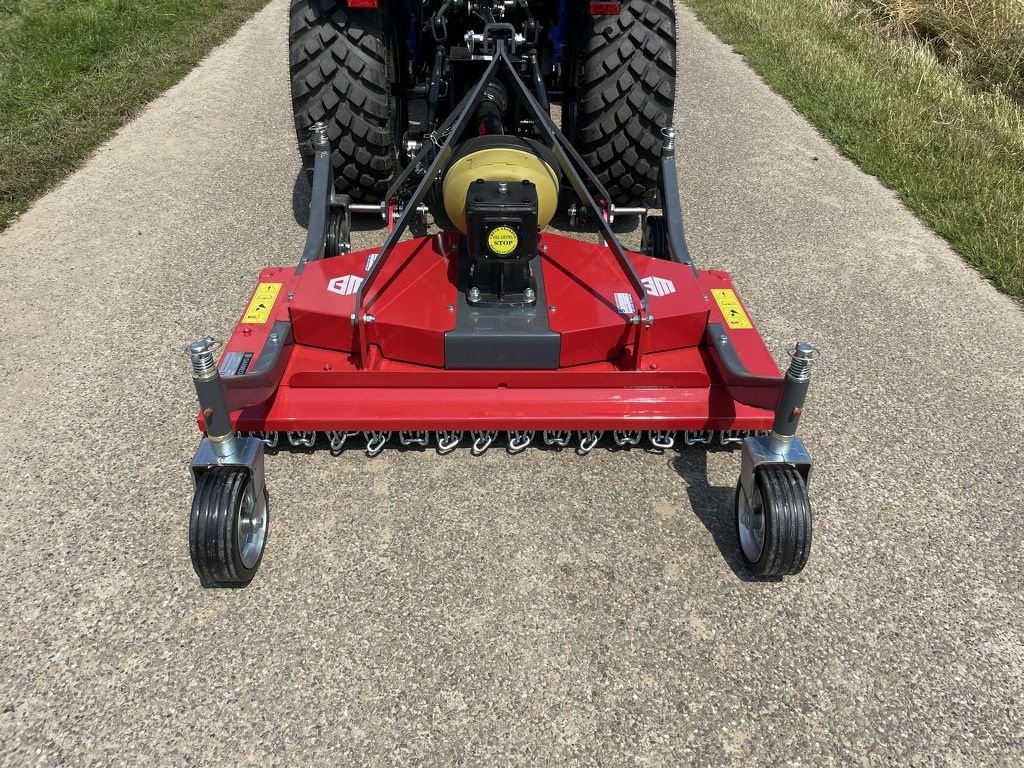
[(502, 240)]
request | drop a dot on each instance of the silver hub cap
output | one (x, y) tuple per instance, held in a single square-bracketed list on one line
[(252, 527), (750, 516)]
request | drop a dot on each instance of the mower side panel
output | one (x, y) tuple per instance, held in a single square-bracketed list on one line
[(734, 347), (255, 357), (414, 305), (589, 292)]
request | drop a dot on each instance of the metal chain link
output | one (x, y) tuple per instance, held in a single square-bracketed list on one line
[(517, 441)]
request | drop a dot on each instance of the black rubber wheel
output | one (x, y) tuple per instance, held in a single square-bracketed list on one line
[(626, 83), (774, 529), (655, 239), (336, 240), (343, 65), (228, 529)]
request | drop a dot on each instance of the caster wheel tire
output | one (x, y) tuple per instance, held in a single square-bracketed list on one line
[(228, 528), (774, 526), (655, 238)]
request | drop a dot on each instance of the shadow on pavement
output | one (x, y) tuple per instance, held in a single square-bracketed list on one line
[(714, 506)]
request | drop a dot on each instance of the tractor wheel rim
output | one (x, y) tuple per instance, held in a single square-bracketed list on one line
[(750, 519), (252, 527)]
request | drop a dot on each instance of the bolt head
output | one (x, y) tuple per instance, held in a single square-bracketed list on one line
[(805, 351), (199, 346)]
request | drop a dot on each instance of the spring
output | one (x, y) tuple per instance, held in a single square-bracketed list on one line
[(318, 133), (801, 358), (668, 139), (201, 353)]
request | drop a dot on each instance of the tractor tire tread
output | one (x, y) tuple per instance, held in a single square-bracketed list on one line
[(339, 76), (626, 96)]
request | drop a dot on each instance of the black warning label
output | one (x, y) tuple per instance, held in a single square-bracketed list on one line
[(243, 366)]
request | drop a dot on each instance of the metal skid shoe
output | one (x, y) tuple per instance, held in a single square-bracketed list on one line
[(230, 516), (773, 509)]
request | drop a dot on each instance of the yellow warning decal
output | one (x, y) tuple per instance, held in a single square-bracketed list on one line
[(731, 308), (502, 240), (262, 302)]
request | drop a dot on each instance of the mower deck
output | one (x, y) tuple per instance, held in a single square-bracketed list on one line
[(291, 364)]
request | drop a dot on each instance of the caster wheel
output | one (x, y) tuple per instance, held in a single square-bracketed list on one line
[(655, 238), (228, 528), (774, 527)]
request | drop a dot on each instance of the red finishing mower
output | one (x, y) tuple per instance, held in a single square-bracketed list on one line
[(489, 329)]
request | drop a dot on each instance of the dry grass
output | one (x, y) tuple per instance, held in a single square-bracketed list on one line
[(953, 152), (983, 40)]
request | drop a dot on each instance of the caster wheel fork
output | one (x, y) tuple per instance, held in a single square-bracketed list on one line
[(230, 517)]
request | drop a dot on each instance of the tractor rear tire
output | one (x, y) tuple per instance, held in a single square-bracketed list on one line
[(626, 70), (343, 66)]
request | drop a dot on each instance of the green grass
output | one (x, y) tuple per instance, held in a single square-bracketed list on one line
[(73, 71), (954, 153)]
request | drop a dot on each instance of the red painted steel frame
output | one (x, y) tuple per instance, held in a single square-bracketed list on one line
[(681, 383)]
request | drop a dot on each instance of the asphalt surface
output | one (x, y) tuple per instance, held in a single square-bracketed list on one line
[(540, 609)]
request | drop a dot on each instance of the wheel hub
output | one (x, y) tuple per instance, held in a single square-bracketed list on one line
[(252, 528), (750, 515)]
